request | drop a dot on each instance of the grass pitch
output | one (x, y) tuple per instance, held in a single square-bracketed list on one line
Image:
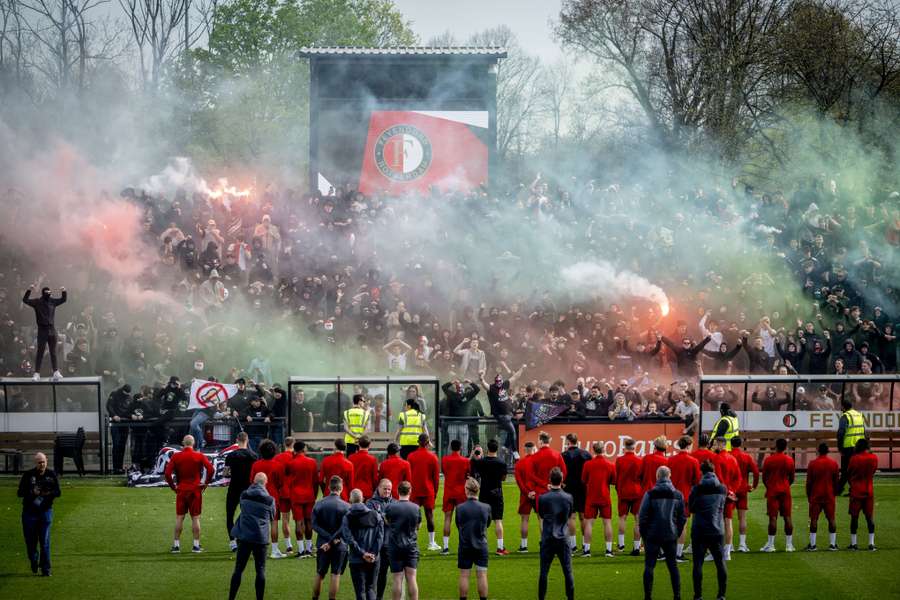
[(109, 541)]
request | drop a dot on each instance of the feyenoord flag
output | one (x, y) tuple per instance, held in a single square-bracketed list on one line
[(538, 413), (206, 394)]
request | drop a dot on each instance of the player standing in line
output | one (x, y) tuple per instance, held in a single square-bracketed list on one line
[(283, 501), (822, 477), (746, 466), (652, 462), (777, 476), (426, 479), (861, 475), (275, 473), (403, 520), (630, 490), (490, 472), (597, 475), (336, 464), (729, 473), (522, 473), (455, 467), (331, 552), (555, 507), (575, 459), (542, 463), (685, 475), (472, 520), (238, 464), (188, 473), (365, 468), (302, 475), (394, 469)]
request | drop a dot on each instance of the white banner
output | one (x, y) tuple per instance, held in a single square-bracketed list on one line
[(804, 420), (206, 394)]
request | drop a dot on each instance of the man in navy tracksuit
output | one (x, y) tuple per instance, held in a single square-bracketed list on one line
[(554, 508), (363, 532), (661, 520), (707, 501), (331, 553)]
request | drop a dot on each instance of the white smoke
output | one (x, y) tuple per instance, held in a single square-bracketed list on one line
[(600, 279)]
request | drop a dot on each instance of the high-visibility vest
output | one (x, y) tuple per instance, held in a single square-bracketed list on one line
[(856, 428), (733, 429), (356, 419), (413, 425)]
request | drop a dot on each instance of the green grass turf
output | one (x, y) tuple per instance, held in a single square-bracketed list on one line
[(112, 542)]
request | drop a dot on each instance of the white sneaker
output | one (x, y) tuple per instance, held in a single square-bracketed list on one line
[(36, 376), (708, 558), (276, 553), (288, 550), (688, 550), (767, 548), (57, 375), (433, 547), (727, 555), (743, 548), (789, 548), (232, 545)]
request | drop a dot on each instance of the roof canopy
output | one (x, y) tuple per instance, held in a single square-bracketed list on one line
[(492, 52)]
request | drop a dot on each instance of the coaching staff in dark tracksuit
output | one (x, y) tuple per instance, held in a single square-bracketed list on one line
[(472, 520), (661, 521), (331, 553), (707, 501), (37, 489), (238, 464), (555, 507), (252, 534), (403, 520), (363, 532), (379, 502), (490, 472)]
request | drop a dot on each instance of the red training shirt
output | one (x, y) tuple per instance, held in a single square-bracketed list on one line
[(822, 477), (455, 468), (273, 470), (861, 475), (651, 463), (628, 477), (685, 473), (426, 473), (542, 462), (597, 475), (365, 472), (396, 469), (728, 471), (704, 454), (522, 472), (746, 465), (778, 474), (283, 458), (336, 464), (187, 466)]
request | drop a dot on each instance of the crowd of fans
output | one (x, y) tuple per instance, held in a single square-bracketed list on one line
[(794, 281)]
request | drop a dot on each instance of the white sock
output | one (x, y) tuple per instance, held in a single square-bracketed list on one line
[(309, 545), (446, 542), (679, 549), (812, 539), (789, 539), (832, 539), (771, 541), (572, 541), (637, 544), (729, 547), (871, 539), (587, 547), (609, 546), (853, 539), (621, 539), (743, 539), (523, 543), (288, 544), (176, 544), (197, 543), (275, 546), (499, 543), (430, 537)]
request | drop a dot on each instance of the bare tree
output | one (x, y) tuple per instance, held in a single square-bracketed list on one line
[(12, 46), (554, 91)]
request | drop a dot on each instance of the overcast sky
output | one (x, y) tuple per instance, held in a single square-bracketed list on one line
[(529, 19)]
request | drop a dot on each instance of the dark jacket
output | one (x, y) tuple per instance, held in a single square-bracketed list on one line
[(661, 516), (721, 359), (38, 491), (379, 504), (686, 358), (758, 359), (795, 357), (363, 531), (327, 519), (257, 513), (44, 308), (119, 404), (455, 400), (818, 361), (706, 502), (852, 358)]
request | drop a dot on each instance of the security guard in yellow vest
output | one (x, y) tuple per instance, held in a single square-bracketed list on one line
[(356, 423), (412, 424), (727, 426), (851, 429)]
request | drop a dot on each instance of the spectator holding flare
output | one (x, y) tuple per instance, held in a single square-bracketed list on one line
[(597, 475), (525, 483), (402, 520), (393, 468), (331, 553), (363, 531), (45, 312), (777, 476), (661, 522), (188, 473), (283, 501), (746, 466), (365, 468), (472, 520), (729, 474), (555, 508), (455, 468), (575, 459), (302, 476), (685, 475), (38, 488), (706, 504), (252, 534), (426, 479), (490, 472), (238, 465), (337, 464), (274, 471), (861, 475), (822, 477), (629, 489)]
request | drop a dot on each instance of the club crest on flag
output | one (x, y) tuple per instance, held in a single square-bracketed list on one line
[(402, 153)]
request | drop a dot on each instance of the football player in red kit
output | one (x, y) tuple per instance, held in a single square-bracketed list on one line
[(729, 474), (747, 466), (597, 475), (283, 501), (778, 475), (702, 453), (542, 463), (275, 473), (685, 475), (455, 467), (522, 473), (426, 479), (365, 468), (822, 477), (188, 473), (861, 475), (630, 490), (336, 464), (394, 469), (652, 462)]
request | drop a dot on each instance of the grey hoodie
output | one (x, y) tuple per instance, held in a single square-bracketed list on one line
[(363, 531), (707, 501), (257, 512)]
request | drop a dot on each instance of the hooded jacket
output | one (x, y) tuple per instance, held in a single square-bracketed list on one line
[(818, 361), (686, 358), (257, 513), (44, 308), (851, 357), (363, 531), (119, 403), (706, 503), (661, 517)]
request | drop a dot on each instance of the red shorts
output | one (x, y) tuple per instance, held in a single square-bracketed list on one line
[(424, 501), (526, 505), (866, 505), (451, 502), (188, 501), (820, 506), (284, 505), (728, 511), (779, 505), (742, 501), (591, 510), (629, 506), (302, 511)]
